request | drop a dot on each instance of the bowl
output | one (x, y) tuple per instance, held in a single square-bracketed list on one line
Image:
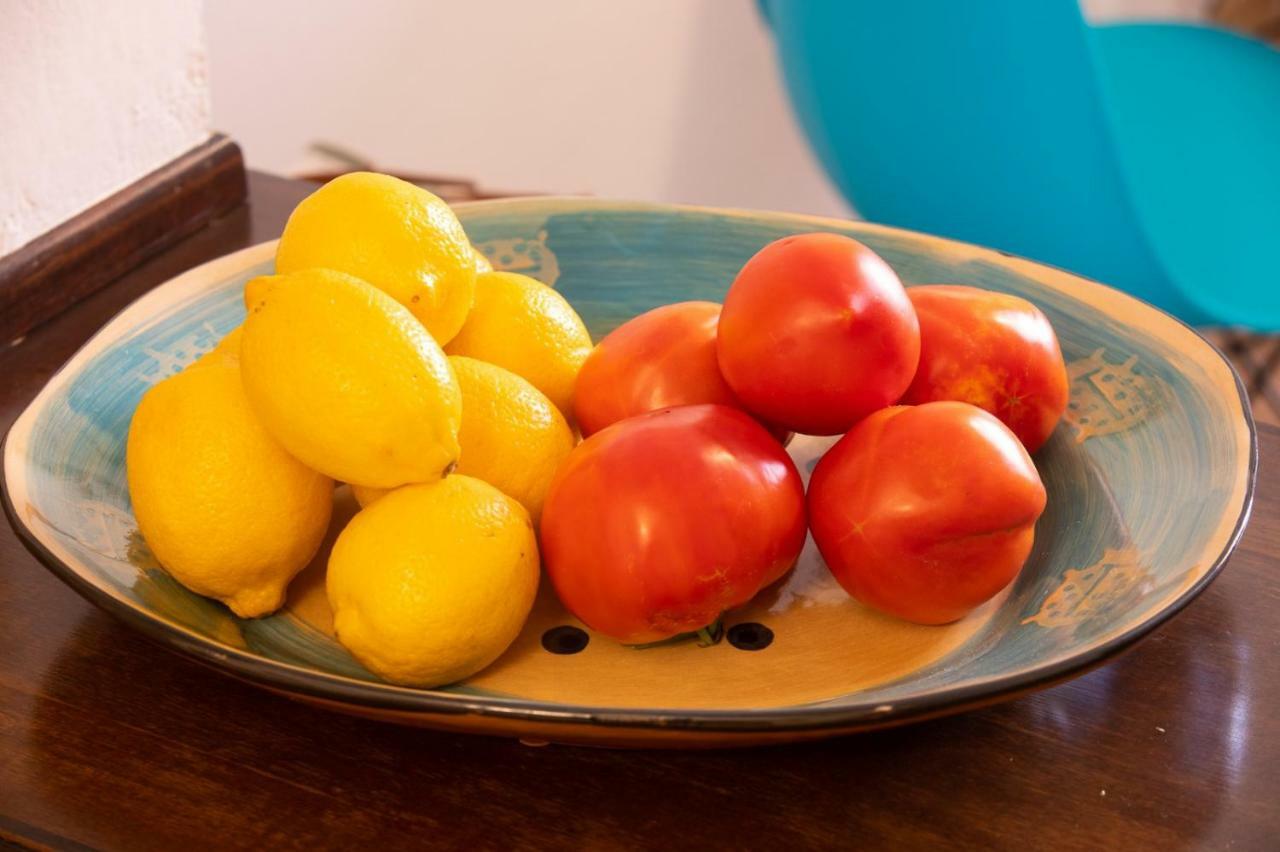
[(1150, 479)]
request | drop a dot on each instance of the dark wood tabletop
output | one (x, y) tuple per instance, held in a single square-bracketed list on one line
[(109, 741)]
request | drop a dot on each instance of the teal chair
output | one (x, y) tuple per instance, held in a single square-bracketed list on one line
[(1146, 156)]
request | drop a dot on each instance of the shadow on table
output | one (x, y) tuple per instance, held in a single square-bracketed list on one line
[(128, 740)]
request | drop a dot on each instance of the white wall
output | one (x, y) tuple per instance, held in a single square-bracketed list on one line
[(652, 99), (675, 100), (92, 97), (1101, 11)]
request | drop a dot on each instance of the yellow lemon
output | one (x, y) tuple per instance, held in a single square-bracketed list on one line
[(223, 507), (432, 582), (524, 326), (482, 262), (226, 352), (397, 236), (512, 437), (365, 495), (347, 380)]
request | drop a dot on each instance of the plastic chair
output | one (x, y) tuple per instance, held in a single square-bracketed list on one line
[(1145, 156)]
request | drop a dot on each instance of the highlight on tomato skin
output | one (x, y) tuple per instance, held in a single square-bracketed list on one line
[(816, 333), (926, 512), (657, 524), (993, 350)]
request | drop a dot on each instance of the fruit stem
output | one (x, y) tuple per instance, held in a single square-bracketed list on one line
[(710, 635), (706, 636)]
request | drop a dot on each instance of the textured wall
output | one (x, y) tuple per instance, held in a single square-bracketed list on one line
[(92, 97)]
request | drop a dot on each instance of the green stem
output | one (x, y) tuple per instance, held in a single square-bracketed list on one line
[(706, 636), (710, 635)]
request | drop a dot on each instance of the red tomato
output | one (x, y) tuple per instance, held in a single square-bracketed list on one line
[(817, 333), (657, 524), (660, 359), (991, 350), (924, 512)]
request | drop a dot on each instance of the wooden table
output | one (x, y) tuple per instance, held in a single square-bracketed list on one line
[(110, 741)]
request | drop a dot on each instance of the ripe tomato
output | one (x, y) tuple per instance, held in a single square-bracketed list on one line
[(660, 359), (816, 333), (926, 511), (657, 524), (992, 350)]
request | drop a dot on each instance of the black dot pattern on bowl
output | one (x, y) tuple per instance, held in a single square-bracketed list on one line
[(565, 639), (750, 636)]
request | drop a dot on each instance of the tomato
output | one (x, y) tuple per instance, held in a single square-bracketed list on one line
[(816, 333), (992, 350), (660, 359), (657, 524), (926, 511)]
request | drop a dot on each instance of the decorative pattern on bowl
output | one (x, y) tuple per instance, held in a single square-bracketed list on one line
[(1150, 480)]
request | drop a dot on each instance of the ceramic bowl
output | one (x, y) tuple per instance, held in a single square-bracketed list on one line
[(1149, 477)]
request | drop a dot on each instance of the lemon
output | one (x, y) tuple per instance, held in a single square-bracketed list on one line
[(523, 325), (512, 437), (482, 263), (399, 237), (227, 350), (347, 380), (222, 506), (432, 582), (365, 495)]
